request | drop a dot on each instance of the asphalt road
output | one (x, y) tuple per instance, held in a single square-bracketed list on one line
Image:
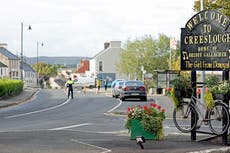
[(50, 123)]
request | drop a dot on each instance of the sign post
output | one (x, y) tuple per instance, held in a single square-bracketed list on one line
[(205, 46)]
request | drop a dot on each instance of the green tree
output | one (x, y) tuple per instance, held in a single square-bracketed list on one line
[(44, 69), (220, 5), (152, 54)]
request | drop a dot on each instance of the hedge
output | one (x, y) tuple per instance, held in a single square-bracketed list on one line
[(9, 87)]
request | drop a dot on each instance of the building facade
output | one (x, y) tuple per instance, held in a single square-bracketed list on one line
[(10, 67), (3, 70), (29, 75), (11, 61), (104, 64)]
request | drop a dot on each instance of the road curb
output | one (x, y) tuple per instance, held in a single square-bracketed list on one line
[(219, 150), (21, 101)]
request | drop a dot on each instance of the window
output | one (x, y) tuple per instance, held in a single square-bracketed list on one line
[(100, 66)]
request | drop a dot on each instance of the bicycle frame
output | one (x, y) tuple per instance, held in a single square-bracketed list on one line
[(193, 102)]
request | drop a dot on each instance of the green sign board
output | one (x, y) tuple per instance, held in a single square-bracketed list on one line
[(205, 42)]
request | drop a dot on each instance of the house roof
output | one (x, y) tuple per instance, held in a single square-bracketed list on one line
[(108, 46), (27, 68), (2, 65), (8, 54)]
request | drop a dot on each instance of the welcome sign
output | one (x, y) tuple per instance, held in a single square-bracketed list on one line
[(205, 42)]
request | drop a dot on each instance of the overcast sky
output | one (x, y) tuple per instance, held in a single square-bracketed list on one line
[(80, 27)]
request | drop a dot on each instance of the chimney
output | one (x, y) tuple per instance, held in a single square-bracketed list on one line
[(4, 45), (106, 45)]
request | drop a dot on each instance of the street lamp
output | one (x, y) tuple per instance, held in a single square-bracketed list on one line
[(21, 65), (38, 43)]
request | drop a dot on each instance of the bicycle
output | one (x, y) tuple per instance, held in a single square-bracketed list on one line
[(186, 116)]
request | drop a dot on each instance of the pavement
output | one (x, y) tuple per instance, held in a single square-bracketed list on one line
[(24, 96), (182, 142)]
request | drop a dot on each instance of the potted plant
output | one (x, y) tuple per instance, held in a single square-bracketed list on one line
[(210, 83), (181, 88), (221, 91), (146, 121)]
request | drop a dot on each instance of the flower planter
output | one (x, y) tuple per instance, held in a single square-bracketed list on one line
[(224, 97), (183, 93), (137, 130)]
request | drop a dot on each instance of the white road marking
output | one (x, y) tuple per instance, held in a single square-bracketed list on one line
[(68, 127), (38, 111), (105, 149), (115, 107)]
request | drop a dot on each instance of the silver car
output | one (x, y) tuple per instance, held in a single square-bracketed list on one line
[(117, 88)]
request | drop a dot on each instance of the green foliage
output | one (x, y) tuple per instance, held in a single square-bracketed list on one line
[(44, 69), (147, 52), (182, 83), (151, 118), (176, 100), (10, 87), (209, 102), (212, 81), (222, 88), (175, 60), (220, 5)]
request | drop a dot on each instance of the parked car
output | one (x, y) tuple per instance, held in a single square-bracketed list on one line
[(117, 88), (114, 82), (133, 89)]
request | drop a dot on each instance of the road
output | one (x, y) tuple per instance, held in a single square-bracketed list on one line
[(50, 123)]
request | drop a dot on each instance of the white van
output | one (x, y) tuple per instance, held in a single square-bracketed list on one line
[(83, 81)]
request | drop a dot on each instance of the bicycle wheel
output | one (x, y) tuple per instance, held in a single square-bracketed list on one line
[(218, 119), (182, 117)]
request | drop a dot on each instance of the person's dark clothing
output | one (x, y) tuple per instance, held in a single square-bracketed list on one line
[(105, 84), (69, 85)]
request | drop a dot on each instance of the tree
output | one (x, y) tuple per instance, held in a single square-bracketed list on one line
[(152, 54), (44, 69), (220, 5)]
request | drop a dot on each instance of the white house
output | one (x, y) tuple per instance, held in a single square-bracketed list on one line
[(30, 76), (104, 64), (3, 70)]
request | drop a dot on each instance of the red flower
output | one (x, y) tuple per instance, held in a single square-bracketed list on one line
[(129, 109), (168, 89), (145, 108), (198, 91), (158, 107), (163, 110), (153, 104)]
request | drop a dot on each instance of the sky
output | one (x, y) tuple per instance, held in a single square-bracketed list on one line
[(81, 27)]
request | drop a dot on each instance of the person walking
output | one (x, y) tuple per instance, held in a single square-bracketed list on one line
[(98, 84), (105, 84), (69, 85)]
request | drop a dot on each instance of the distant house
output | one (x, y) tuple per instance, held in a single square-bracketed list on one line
[(104, 64), (3, 70), (83, 67), (10, 67), (11, 61), (29, 74)]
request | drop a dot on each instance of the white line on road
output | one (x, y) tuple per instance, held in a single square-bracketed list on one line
[(105, 149), (68, 127), (115, 107), (38, 111)]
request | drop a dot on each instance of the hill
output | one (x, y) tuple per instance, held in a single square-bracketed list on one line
[(69, 62)]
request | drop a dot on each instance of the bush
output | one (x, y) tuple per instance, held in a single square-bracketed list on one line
[(10, 87)]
